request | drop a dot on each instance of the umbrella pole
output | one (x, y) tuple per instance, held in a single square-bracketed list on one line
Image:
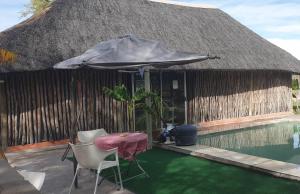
[(148, 102), (133, 108), (74, 120), (74, 106)]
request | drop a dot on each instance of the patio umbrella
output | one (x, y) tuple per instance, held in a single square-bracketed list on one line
[(129, 52)]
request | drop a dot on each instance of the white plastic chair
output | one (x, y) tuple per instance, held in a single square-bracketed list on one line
[(89, 156), (89, 136)]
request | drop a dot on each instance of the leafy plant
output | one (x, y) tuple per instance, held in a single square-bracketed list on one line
[(138, 100), (121, 94), (295, 84), (36, 7), (157, 109)]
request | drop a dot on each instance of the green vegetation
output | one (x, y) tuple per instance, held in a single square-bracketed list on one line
[(295, 84), (137, 101), (174, 173), (121, 94), (36, 7), (295, 92)]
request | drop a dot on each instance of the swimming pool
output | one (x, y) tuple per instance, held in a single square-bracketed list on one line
[(280, 141)]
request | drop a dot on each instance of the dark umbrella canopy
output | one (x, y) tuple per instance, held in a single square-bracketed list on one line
[(129, 52)]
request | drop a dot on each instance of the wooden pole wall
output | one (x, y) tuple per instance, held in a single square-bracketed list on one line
[(3, 121), (217, 95), (40, 104)]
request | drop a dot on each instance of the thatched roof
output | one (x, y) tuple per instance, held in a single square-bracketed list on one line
[(70, 27)]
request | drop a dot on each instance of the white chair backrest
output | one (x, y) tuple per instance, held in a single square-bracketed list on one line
[(88, 155), (89, 136)]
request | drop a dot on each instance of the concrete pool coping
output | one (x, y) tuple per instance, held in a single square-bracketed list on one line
[(237, 126), (268, 166)]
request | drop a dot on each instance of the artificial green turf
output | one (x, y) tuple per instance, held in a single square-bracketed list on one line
[(174, 173)]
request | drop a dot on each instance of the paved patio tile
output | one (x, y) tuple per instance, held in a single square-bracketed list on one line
[(59, 173)]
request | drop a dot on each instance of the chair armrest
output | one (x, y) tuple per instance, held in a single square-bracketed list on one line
[(110, 152)]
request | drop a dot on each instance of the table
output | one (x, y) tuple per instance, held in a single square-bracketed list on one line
[(129, 145)]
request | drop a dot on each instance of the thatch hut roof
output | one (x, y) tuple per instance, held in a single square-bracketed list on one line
[(69, 27)]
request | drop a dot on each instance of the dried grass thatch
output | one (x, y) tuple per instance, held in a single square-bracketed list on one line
[(70, 27)]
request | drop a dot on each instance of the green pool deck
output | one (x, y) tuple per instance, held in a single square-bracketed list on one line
[(175, 173), (170, 173), (269, 166)]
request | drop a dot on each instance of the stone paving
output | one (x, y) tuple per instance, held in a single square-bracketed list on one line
[(59, 173)]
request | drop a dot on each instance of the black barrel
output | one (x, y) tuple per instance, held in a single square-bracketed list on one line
[(185, 135)]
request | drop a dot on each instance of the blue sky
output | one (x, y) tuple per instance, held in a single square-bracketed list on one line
[(276, 20), (10, 12)]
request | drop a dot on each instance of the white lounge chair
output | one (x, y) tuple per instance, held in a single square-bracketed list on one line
[(91, 157), (89, 136)]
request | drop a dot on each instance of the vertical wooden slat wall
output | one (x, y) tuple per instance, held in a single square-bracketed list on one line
[(217, 95), (39, 104)]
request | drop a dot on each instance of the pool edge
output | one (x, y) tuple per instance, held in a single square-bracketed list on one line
[(268, 166)]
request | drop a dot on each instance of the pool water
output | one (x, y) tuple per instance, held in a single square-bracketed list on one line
[(280, 141)]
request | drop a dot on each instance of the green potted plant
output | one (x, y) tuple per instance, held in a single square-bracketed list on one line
[(121, 94), (157, 108)]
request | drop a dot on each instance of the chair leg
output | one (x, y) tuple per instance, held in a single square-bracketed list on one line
[(141, 168), (119, 172), (116, 180), (74, 180), (96, 184)]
